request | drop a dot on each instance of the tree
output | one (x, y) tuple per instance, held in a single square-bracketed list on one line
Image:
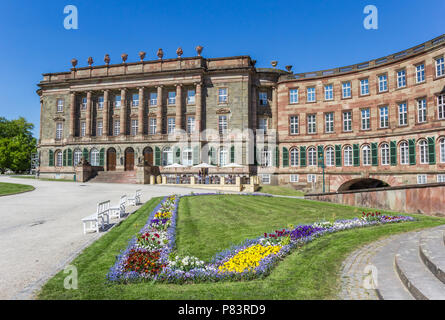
[(16, 144)]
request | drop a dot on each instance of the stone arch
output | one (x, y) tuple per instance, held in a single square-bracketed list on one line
[(362, 183)]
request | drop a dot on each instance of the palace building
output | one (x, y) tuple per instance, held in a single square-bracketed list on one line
[(372, 124)]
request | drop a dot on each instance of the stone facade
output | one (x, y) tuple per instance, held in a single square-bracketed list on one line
[(232, 92)]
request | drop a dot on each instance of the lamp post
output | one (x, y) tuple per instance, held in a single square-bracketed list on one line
[(321, 164)]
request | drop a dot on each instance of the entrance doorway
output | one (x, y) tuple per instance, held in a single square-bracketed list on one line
[(129, 159), (111, 159), (148, 156)]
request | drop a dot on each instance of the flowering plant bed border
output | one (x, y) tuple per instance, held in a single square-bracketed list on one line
[(253, 259)]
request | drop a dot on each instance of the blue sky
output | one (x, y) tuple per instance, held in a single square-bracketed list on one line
[(310, 35)]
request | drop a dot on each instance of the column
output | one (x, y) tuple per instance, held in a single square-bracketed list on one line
[(198, 104), (72, 114), (88, 115), (275, 107), (141, 112), (254, 108), (178, 120), (159, 111), (123, 113), (106, 112)]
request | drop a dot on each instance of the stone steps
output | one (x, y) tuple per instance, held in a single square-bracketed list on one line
[(115, 177)]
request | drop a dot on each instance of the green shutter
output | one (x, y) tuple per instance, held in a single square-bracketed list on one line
[(232, 154), (102, 157), (320, 154), (393, 152), (285, 157), (69, 155), (356, 154), (177, 155), (412, 151), (51, 158), (212, 156), (157, 156), (255, 162), (277, 157), (195, 155), (64, 158), (338, 155), (302, 156), (374, 154), (85, 154), (431, 150)]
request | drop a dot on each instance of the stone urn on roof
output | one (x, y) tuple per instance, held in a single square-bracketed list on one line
[(90, 61), (179, 52), (142, 55), (74, 62), (199, 50), (160, 53), (107, 59), (124, 57)]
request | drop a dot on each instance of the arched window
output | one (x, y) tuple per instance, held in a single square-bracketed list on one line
[(265, 157), (404, 153), (77, 156), (312, 157), (94, 157), (384, 154), (222, 156), (330, 157), (423, 148), (294, 157), (348, 156), (366, 151), (59, 158), (167, 156), (442, 150)]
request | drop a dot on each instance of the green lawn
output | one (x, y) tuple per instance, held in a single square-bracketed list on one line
[(42, 179), (209, 224), (281, 191), (13, 188)]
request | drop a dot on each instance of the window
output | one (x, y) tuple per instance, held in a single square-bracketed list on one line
[(311, 124), (83, 104), (347, 156), (266, 157), (83, 128), (383, 114), (59, 131), (222, 124), (364, 87), (100, 102), (59, 158), (265, 178), (171, 97), (294, 157), (346, 89), (404, 153), (263, 98), (347, 121), (171, 125), (293, 122), (311, 178), (403, 114), (187, 157), (421, 110), (328, 92), (294, 178), (117, 127), (423, 148), (330, 157), (440, 71), (135, 100), (100, 128), (311, 94), (167, 156), (134, 127), (366, 151), (222, 95), (77, 156), (293, 96), (383, 83), (401, 79), (94, 157), (59, 105), (191, 96), (222, 157), (152, 126), (312, 157), (329, 122), (262, 125), (442, 150), (117, 101), (190, 124), (153, 98), (421, 179), (420, 73), (384, 154), (441, 107), (366, 119), (441, 178)]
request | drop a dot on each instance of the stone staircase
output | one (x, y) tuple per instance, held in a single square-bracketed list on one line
[(115, 177), (412, 267)]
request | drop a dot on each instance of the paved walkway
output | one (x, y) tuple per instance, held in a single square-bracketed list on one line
[(41, 231)]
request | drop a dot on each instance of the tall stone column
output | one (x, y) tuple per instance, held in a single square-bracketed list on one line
[(178, 120), (141, 112), (72, 114), (198, 105), (106, 113), (88, 115), (123, 113), (254, 108), (275, 108), (159, 111)]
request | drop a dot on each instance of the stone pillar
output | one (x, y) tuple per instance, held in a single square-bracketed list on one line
[(178, 120), (198, 104), (88, 115), (274, 107), (72, 115), (254, 108), (123, 113), (141, 112), (159, 111), (41, 118), (106, 112)]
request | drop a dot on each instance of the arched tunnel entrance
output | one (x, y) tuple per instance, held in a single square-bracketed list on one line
[(362, 183)]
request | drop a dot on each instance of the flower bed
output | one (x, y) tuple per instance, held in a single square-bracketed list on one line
[(150, 255)]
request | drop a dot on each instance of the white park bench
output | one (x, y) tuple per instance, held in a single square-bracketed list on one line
[(101, 216), (136, 200), (119, 210)]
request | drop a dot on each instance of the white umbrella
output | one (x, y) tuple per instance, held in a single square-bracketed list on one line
[(204, 165), (175, 165), (233, 165)]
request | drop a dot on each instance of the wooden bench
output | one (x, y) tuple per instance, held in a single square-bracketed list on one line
[(102, 217), (119, 210), (136, 200)]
